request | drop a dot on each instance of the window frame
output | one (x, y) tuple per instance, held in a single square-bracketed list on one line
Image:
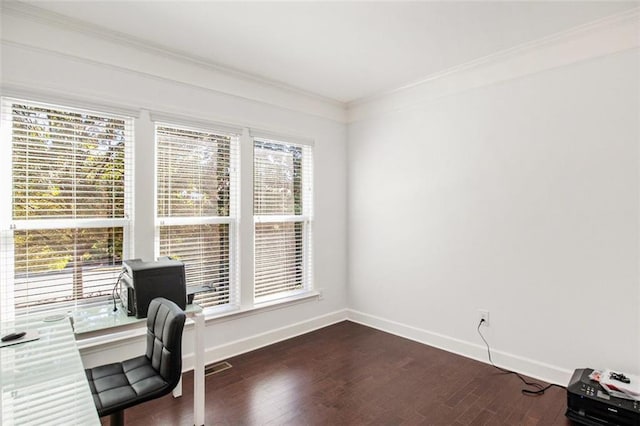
[(9, 226), (305, 217), (141, 209), (231, 220)]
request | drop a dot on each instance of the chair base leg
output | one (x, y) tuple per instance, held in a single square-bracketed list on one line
[(117, 419)]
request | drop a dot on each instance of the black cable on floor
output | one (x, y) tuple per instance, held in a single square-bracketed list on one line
[(540, 389)]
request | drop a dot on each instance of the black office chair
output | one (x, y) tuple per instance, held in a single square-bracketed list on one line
[(116, 387)]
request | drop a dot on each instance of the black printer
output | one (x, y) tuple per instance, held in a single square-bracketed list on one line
[(589, 404), (143, 281)]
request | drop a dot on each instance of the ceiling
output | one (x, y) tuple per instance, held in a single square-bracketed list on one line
[(344, 51)]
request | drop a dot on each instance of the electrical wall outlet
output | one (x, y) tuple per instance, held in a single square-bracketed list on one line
[(483, 314)]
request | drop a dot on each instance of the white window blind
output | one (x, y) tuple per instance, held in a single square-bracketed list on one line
[(197, 207), (283, 215), (69, 196)]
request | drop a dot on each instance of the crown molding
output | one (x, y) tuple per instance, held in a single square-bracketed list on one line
[(60, 22), (47, 96), (598, 38), (17, 89), (120, 105)]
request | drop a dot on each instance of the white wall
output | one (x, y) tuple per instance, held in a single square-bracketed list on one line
[(519, 196), (52, 61)]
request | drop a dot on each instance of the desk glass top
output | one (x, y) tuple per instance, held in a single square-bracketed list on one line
[(43, 381), (103, 317)]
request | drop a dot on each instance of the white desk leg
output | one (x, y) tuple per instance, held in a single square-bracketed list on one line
[(198, 370), (177, 391)]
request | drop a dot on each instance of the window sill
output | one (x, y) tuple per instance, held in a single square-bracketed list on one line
[(232, 313), (123, 334)]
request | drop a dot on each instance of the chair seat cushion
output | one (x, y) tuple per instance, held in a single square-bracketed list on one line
[(124, 384)]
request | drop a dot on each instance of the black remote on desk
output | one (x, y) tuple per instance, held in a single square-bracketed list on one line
[(13, 336)]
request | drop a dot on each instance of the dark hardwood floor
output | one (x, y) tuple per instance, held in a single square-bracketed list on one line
[(348, 374)]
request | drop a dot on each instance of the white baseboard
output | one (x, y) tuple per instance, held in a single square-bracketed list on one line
[(525, 366), (218, 353)]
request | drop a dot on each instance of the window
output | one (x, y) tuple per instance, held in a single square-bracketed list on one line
[(197, 209), (283, 215), (67, 228), (67, 179)]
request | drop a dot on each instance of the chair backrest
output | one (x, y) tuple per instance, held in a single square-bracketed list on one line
[(165, 322)]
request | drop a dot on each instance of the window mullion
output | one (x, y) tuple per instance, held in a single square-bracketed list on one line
[(23, 225), (193, 220), (280, 218)]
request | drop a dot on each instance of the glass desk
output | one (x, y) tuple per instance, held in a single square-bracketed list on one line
[(43, 381), (96, 319)]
